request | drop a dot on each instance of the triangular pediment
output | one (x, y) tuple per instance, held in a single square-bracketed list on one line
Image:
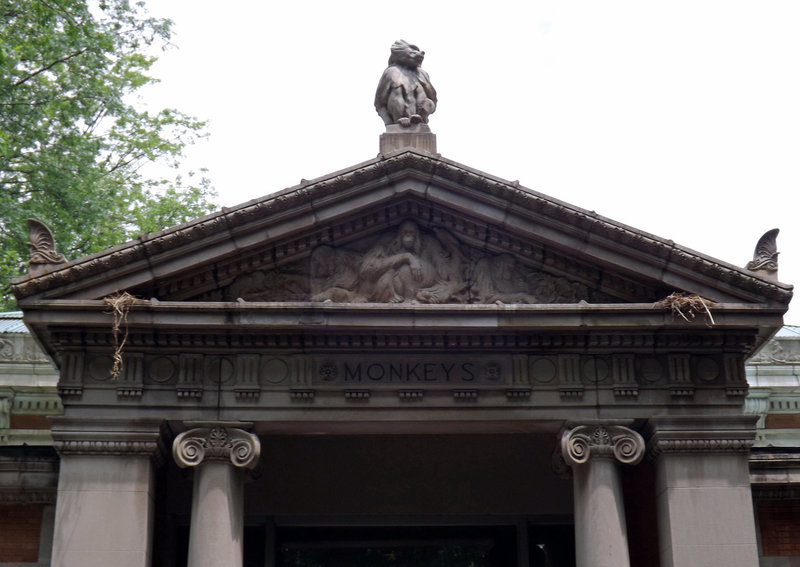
[(409, 249), (469, 238)]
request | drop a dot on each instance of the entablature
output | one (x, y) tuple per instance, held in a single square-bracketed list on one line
[(251, 359)]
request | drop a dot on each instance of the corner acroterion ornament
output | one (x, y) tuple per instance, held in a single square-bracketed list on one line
[(42, 247)]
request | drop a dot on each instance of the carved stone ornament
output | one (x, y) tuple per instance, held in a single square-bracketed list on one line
[(408, 264), (6, 349), (111, 443), (106, 447), (405, 95), (765, 257), (709, 444), (780, 350), (580, 444), (205, 444), (42, 246), (718, 434)]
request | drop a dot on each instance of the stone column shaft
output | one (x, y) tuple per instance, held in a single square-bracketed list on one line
[(600, 531), (220, 451), (104, 510), (593, 452), (704, 502), (217, 516)]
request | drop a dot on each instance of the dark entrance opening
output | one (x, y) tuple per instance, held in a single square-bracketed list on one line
[(407, 546), (506, 545)]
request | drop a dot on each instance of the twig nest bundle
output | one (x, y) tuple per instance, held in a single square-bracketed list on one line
[(688, 307), (119, 304)]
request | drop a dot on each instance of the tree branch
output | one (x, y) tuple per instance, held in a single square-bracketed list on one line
[(50, 66), (29, 103)]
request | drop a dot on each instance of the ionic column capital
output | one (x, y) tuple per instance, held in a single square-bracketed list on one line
[(221, 441), (584, 442)]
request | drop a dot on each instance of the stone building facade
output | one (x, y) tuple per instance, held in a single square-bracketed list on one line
[(28, 463), (29, 477), (407, 360), (774, 378)]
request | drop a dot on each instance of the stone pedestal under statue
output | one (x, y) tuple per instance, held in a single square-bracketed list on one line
[(417, 136)]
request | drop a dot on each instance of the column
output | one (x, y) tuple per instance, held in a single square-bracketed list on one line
[(594, 451), (221, 452), (104, 509), (705, 507)]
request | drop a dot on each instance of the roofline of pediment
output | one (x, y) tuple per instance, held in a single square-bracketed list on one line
[(153, 256)]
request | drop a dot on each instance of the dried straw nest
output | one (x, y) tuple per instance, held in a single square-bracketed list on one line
[(119, 305), (688, 307)]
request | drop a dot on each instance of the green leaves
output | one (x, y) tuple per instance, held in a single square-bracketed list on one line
[(71, 146)]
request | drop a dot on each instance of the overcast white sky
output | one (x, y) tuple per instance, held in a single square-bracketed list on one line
[(679, 118)]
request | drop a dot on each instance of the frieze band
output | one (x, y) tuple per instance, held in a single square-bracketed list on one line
[(189, 373)]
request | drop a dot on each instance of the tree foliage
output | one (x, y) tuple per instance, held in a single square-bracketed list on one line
[(72, 144)]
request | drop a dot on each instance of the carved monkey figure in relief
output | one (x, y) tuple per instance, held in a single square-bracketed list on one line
[(412, 266), (499, 279)]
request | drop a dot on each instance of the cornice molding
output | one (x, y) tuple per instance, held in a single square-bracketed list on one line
[(773, 459), (67, 325), (715, 445), (28, 479), (130, 447), (103, 438), (518, 331), (694, 434)]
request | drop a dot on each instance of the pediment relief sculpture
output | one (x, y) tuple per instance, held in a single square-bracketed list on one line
[(412, 266), (779, 350), (408, 264)]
